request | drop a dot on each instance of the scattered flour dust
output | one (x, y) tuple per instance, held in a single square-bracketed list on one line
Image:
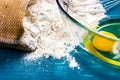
[(46, 30)]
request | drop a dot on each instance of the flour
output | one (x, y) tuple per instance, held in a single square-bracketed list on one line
[(45, 29)]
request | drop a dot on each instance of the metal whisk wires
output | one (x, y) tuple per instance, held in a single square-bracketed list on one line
[(109, 4)]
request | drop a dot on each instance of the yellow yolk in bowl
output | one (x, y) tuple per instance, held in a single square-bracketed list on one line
[(102, 43)]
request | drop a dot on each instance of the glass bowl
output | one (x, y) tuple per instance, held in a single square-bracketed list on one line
[(97, 32)]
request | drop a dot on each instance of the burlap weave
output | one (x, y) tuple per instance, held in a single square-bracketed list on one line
[(11, 26)]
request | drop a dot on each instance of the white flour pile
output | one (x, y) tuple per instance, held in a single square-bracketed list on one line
[(86, 11), (44, 27)]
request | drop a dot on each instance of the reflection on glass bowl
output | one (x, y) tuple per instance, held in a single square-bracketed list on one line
[(99, 33)]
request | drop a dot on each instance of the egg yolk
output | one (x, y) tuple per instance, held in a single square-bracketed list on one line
[(102, 43)]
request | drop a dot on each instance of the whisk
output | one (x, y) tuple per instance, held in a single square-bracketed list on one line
[(109, 4)]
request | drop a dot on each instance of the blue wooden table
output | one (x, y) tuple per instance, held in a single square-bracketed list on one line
[(14, 67)]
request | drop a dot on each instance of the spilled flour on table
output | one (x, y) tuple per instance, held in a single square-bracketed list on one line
[(45, 28)]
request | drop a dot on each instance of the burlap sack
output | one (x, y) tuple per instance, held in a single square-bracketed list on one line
[(11, 23)]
